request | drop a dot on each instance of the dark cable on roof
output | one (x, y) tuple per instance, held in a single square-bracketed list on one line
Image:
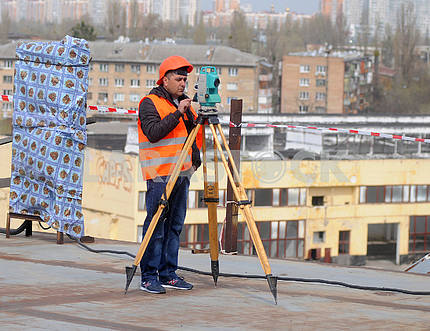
[(16, 231), (287, 279)]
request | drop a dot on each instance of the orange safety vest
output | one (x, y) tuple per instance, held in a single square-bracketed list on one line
[(159, 158)]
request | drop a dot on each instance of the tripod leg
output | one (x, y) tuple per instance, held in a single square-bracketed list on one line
[(211, 199), (130, 271), (245, 210)]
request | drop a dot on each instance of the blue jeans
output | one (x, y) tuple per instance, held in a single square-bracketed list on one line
[(161, 255)]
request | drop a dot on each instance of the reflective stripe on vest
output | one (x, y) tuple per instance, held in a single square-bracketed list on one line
[(162, 160), (162, 142), (159, 159)]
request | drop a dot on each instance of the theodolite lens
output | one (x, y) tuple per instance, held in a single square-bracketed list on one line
[(216, 82)]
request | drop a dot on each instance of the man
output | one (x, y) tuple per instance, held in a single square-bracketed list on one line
[(165, 120)]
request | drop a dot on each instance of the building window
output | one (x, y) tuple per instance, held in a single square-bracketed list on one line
[(8, 64), (151, 68), (104, 67), (195, 199), (119, 82), (102, 96), (320, 110), (304, 82), (232, 71), (150, 83), (118, 97), (7, 92), (305, 68), (90, 81), (419, 234), (321, 70), (292, 197), (218, 70), (320, 82), (232, 86), (135, 68), (395, 193), (263, 197), (135, 83), (344, 242), (119, 67), (141, 201), (374, 194), (7, 106), (303, 95), (89, 95), (303, 109), (103, 81), (281, 239), (319, 237), (318, 201), (91, 66), (134, 97), (196, 236), (229, 100), (7, 79), (320, 96)]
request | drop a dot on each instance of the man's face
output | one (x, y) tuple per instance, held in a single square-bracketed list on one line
[(174, 84)]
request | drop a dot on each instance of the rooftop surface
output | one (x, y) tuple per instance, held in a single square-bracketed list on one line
[(45, 286)]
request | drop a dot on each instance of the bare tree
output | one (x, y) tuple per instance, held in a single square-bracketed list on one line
[(114, 19), (240, 33), (4, 26), (405, 41)]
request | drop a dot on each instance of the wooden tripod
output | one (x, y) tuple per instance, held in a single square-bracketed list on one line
[(211, 198)]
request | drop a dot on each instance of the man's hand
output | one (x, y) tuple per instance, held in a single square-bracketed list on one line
[(184, 105)]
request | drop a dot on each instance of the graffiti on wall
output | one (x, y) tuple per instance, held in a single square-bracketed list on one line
[(115, 171)]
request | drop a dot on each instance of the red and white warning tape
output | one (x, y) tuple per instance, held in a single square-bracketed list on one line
[(348, 131), (100, 109), (105, 109)]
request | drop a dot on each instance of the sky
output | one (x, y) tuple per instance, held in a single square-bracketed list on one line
[(299, 6)]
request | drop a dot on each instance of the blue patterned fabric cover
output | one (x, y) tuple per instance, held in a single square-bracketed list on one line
[(49, 132)]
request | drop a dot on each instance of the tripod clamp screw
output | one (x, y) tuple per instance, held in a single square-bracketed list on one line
[(243, 202), (163, 202)]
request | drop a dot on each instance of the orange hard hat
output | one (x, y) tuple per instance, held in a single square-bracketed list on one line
[(173, 63)]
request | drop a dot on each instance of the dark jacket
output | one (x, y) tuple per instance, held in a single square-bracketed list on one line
[(156, 128)]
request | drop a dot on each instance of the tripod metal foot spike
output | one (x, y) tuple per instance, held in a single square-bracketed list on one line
[(215, 270), (129, 273), (273, 281)]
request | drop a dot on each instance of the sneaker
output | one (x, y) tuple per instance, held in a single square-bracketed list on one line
[(177, 283), (152, 286)]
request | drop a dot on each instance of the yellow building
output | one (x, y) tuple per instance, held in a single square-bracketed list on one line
[(345, 210)]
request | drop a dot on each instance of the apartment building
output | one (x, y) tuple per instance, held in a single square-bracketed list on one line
[(257, 20), (122, 73), (325, 82), (56, 11)]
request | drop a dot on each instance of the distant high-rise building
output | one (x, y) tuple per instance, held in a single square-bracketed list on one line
[(332, 8), (55, 11), (375, 15), (226, 5)]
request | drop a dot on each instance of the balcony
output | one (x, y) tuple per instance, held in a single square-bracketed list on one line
[(265, 78), (265, 92)]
